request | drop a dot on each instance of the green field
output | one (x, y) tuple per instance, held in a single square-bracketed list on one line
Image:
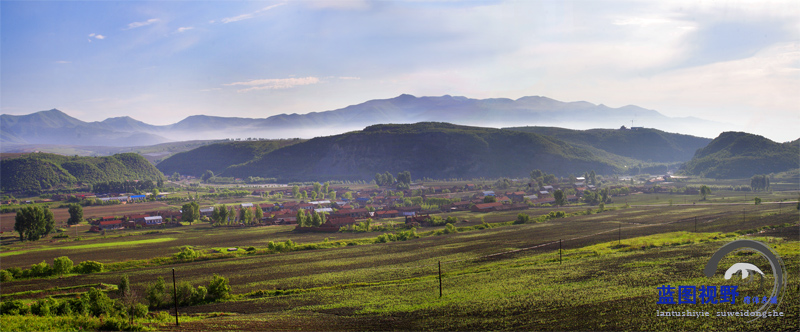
[(503, 278)]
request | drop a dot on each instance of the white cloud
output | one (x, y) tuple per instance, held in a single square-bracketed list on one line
[(135, 25), (275, 83), (63, 62), (248, 15), (182, 29), (349, 78), (96, 36)]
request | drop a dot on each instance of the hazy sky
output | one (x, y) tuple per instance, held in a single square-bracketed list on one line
[(730, 61)]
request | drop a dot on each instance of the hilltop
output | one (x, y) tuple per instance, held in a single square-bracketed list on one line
[(37, 171), (742, 155), (217, 157), (645, 144), (433, 150)]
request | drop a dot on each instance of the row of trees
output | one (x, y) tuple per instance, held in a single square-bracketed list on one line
[(403, 179), (313, 220), (759, 182), (225, 215)]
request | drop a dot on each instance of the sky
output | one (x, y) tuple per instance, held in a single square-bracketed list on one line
[(736, 62)]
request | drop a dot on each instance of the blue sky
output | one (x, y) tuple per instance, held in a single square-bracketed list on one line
[(158, 62)]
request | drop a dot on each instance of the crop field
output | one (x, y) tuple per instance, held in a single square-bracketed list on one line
[(507, 277), (61, 215)]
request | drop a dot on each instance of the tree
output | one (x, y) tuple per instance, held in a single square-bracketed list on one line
[(175, 177), (295, 191), (124, 286), (759, 182), (155, 193), (259, 214), (223, 213), (317, 187), (62, 265), (560, 198), (705, 191), (404, 177), (592, 178), (75, 214), (316, 220), (207, 175), (489, 199), (301, 218), (33, 222), (757, 201), (248, 215), (190, 212), (231, 215), (522, 218)]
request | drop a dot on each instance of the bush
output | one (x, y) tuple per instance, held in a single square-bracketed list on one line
[(99, 303), (14, 307), (199, 295), (62, 265), (522, 219), (44, 307), (449, 228), (187, 254), (40, 270), (87, 267), (139, 310), (15, 272), (6, 276), (218, 288), (155, 293), (185, 291)]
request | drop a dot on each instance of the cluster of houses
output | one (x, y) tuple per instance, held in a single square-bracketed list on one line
[(149, 219)]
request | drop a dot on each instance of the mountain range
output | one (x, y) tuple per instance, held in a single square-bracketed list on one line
[(56, 127)]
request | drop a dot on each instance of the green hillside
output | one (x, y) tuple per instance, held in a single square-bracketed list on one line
[(217, 157), (37, 171), (433, 150), (644, 144), (742, 155)]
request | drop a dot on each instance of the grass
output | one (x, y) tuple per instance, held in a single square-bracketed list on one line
[(91, 246)]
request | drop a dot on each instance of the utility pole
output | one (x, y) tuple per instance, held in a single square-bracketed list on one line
[(440, 279), (175, 297), (559, 251)]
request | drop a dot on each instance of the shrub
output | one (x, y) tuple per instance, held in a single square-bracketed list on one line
[(139, 310), (15, 272), (6, 276), (218, 288), (187, 254), (40, 270), (62, 265), (87, 267), (522, 219), (99, 303), (44, 307), (185, 291), (14, 307), (449, 228), (155, 293), (199, 294)]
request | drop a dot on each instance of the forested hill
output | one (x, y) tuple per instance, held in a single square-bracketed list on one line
[(218, 157), (36, 171), (742, 155), (427, 149), (643, 143)]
